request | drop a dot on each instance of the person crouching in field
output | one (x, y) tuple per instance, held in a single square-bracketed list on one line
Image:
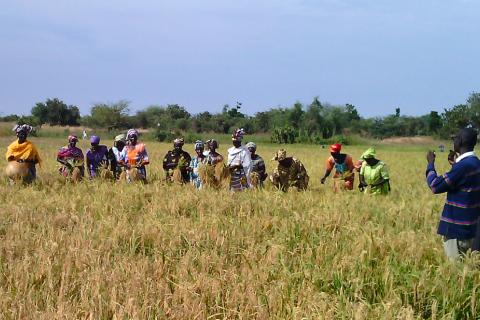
[(343, 179), (290, 172), (176, 163), (96, 157), (374, 176), (22, 156), (71, 159), (239, 163), (136, 157), (462, 184), (258, 174)]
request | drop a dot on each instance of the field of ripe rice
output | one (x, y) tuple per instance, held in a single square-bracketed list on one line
[(100, 250)]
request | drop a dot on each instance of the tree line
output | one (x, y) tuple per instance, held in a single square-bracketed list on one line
[(311, 123)]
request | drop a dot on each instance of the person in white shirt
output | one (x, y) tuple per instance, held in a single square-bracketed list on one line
[(239, 163)]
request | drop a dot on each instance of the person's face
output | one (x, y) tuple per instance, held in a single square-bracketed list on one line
[(236, 143), (120, 145), (177, 146), (22, 136), (335, 155), (370, 161), (94, 146), (252, 151), (72, 143), (133, 140), (199, 152)]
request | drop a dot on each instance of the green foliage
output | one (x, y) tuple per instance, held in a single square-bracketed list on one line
[(109, 116), (56, 112)]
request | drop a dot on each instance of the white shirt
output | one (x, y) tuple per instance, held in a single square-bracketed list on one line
[(463, 156), (240, 157)]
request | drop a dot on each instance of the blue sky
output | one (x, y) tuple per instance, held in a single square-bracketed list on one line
[(378, 55)]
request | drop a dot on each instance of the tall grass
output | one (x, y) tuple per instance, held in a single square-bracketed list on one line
[(115, 251)]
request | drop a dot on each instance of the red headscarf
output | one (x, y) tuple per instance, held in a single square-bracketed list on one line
[(335, 148)]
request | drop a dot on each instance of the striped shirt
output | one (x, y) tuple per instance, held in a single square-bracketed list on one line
[(462, 207)]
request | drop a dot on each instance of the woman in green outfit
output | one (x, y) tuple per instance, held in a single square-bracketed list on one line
[(374, 174)]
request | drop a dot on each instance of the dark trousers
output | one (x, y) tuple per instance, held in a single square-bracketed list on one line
[(476, 240)]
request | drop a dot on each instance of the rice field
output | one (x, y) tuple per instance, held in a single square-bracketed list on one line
[(103, 250)]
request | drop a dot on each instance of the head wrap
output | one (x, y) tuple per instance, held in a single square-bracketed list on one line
[(335, 148), (199, 145), (238, 134), (22, 128), (369, 154), (212, 143), (94, 139), (280, 155), (251, 145), (72, 138), (132, 133), (120, 137), (179, 141)]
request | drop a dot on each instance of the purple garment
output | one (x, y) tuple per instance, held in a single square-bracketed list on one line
[(96, 158)]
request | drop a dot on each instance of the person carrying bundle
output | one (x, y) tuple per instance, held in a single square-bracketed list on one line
[(258, 174), (213, 171), (459, 221), (195, 163), (117, 156), (239, 163), (96, 158), (71, 159), (136, 157), (176, 163), (22, 156), (290, 172), (343, 178)]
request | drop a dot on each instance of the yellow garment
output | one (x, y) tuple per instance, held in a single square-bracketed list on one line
[(22, 151)]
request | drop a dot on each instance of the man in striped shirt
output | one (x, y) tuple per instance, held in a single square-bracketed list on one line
[(462, 184)]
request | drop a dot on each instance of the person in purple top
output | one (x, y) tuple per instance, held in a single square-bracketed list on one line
[(458, 223), (96, 156)]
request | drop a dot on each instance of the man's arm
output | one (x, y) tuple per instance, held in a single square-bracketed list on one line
[(438, 184)]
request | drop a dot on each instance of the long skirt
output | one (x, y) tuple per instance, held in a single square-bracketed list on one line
[(238, 180)]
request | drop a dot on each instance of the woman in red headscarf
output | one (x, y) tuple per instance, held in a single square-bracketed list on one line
[(343, 165)]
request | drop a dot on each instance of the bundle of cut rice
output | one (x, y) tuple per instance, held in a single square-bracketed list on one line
[(76, 175), (255, 179), (17, 170), (177, 176)]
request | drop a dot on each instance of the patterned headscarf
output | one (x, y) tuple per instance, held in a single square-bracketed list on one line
[(199, 145), (22, 128), (212, 143), (251, 145), (72, 138), (178, 142), (238, 134), (132, 133), (120, 137)]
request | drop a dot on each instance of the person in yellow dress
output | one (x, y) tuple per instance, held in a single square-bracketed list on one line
[(23, 152)]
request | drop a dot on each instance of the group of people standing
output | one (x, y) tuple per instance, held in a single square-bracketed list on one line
[(242, 169)]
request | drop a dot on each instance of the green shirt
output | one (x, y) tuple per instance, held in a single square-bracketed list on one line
[(373, 174)]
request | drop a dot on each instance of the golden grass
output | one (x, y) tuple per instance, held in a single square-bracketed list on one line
[(99, 250)]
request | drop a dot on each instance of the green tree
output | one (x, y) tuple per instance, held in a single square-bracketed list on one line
[(110, 116), (56, 112)]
